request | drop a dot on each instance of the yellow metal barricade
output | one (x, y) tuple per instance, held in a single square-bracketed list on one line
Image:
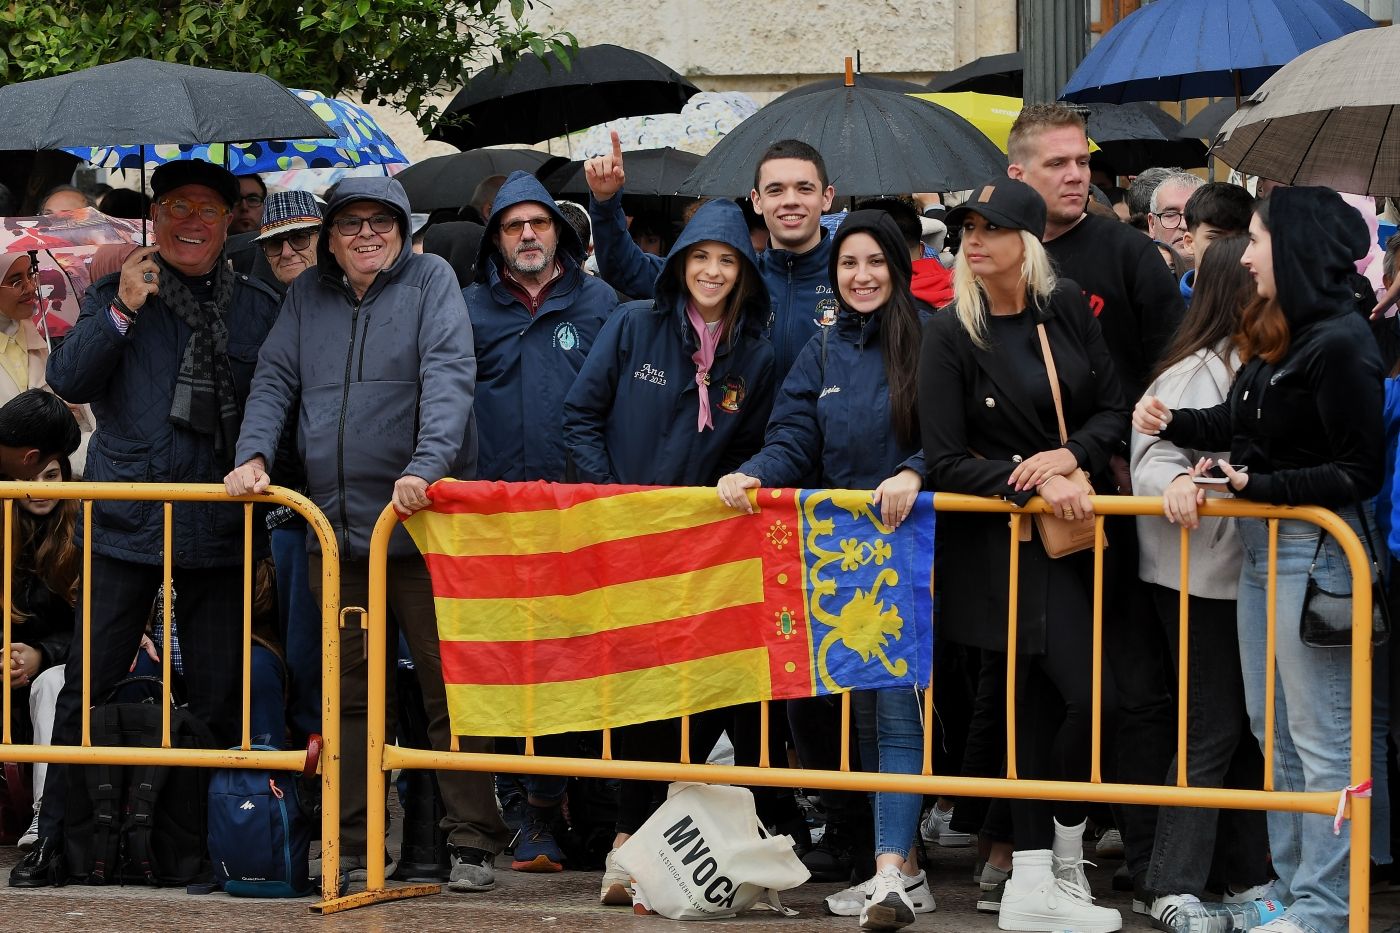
[(384, 758), (244, 756)]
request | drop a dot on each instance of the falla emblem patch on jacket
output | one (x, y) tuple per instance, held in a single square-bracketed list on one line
[(826, 311), (566, 336), (734, 392)]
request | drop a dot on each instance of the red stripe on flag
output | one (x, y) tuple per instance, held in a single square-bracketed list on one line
[(483, 497), (643, 557), (552, 660)]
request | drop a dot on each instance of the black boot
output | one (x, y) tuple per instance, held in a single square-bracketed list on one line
[(42, 867)]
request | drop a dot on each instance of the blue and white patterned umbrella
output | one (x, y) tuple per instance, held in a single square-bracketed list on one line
[(359, 141)]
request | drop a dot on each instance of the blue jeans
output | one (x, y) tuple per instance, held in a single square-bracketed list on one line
[(1312, 725), (300, 618), (890, 731)]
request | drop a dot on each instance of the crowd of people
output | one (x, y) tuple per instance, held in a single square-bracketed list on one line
[(337, 347)]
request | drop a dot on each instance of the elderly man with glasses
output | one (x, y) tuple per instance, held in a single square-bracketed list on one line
[(374, 352), (1166, 222), (164, 352)]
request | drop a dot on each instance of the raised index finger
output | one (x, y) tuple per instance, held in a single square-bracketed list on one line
[(616, 146)]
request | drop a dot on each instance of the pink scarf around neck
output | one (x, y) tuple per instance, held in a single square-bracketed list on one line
[(704, 358)]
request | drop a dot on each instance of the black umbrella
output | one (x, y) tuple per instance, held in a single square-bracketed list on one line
[(649, 172), (449, 180), (873, 142), (1139, 135), (991, 74), (1207, 123), (861, 80), (537, 99), (139, 102)]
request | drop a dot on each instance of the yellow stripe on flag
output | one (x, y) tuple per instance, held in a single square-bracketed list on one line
[(612, 699), (604, 609), (564, 530)]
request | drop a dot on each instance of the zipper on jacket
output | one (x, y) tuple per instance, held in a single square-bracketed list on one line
[(340, 436), (364, 340)]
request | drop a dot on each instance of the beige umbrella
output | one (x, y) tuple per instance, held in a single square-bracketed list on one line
[(1329, 117)]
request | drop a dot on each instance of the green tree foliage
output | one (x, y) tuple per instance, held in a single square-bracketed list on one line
[(400, 52)]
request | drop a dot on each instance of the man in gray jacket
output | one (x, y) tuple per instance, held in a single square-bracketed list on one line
[(375, 345)]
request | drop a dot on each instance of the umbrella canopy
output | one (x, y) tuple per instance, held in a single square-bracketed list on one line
[(63, 245), (990, 74), (539, 98), (1182, 49), (358, 140), (702, 122), (904, 145), (141, 102), (1207, 123), (1331, 117), (449, 180), (649, 172), (861, 80), (1139, 135)]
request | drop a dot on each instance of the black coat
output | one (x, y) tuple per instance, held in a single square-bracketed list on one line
[(974, 399)]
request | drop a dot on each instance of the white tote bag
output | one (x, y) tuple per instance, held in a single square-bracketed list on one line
[(704, 856)]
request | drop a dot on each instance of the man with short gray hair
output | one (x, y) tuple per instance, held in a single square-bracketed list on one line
[(1166, 218)]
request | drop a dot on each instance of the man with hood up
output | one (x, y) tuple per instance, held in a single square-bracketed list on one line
[(534, 315), (375, 347)]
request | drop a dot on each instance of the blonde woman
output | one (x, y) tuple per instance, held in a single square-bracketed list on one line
[(990, 428)]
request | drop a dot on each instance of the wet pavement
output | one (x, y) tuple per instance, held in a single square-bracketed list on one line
[(556, 903)]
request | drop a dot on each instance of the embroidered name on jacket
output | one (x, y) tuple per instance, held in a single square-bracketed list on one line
[(648, 373), (829, 390)]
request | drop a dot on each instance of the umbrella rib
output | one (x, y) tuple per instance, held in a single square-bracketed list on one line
[(1380, 146)]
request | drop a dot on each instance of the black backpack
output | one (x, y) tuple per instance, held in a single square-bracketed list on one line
[(138, 824)]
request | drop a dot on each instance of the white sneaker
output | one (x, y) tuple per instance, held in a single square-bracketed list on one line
[(1072, 870), (849, 902), (1110, 844), (1055, 904), (1278, 925), (1184, 913), (616, 889), (935, 828), (1260, 892), (888, 907), (31, 835)]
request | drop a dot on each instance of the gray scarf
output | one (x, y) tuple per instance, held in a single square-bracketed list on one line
[(205, 401)]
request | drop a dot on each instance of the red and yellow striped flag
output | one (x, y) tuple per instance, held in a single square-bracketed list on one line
[(566, 608)]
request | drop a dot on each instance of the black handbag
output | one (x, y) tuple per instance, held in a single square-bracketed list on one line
[(1326, 619)]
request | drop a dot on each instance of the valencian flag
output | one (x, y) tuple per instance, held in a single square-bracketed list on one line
[(568, 608)]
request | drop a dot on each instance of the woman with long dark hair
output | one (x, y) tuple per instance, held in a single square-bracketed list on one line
[(1303, 425), (676, 392), (45, 588), (994, 425), (1196, 372), (848, 411)]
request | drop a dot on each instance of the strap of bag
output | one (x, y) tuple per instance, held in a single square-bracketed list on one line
[(104, 787), (146, 784), (1054, 380)]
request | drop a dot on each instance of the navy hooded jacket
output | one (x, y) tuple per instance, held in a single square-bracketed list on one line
[(527, 362), (631, 415), (799, 287), (833, 409)]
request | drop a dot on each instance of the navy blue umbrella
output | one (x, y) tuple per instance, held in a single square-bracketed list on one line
[(1183, 49)]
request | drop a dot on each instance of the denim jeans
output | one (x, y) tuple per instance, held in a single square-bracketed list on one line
[(1220, 752), (889, 724), (300, 618), (1312, 724), (1381, 667)]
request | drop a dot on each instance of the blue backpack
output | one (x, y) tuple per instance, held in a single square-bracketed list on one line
[(259, 838)]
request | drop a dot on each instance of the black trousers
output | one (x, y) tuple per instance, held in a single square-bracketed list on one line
[(208, 613)]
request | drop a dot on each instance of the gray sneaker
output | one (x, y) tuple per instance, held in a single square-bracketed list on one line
[(472, 869), (352, 867)]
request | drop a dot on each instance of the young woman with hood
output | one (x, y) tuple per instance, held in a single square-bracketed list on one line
[(1303, 424), (849, 408), (676, 392), (990, 428)]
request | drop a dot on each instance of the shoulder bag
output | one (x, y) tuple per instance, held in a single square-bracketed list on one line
[(1059, 535)]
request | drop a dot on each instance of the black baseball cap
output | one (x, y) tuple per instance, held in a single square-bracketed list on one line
[(183, 172), (1005, 202)]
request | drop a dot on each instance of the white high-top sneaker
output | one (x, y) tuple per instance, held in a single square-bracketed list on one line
[(1036, 900)]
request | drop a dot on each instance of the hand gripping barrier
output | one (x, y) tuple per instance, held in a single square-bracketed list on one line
[(244, 756), (1351, 802)]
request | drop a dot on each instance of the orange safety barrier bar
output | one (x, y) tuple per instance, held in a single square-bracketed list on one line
[(384, 758), (243, 756)]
